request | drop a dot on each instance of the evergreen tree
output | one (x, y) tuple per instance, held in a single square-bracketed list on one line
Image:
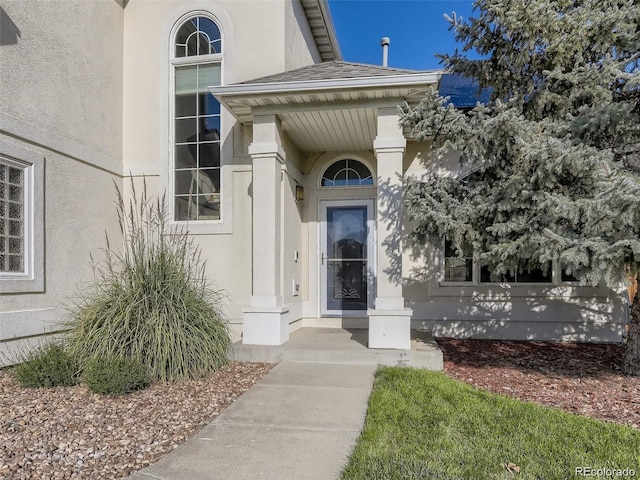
[(554, 157)]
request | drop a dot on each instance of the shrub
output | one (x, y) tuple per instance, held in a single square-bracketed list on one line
[(151, 300), (48, 366), (115, 375)]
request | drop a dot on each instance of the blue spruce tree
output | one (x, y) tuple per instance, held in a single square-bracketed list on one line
[(555, 154)]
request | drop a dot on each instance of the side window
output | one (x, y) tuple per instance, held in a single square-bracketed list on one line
[(460, 268), (525, 274), (457, 268), (565, 276), (21, 220), (196, 125), (14, 212)]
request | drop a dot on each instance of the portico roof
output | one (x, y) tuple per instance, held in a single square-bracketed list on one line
[(329, 106)]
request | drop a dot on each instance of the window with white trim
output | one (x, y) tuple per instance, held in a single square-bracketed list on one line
[(14, 214), (21, 219), (348, 172), (460, 269), (196, 124)]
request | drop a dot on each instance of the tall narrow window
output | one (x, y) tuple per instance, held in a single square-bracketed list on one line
[(13, 214), (196, 124)]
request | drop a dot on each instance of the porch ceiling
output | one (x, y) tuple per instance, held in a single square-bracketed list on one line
[(326, 117)]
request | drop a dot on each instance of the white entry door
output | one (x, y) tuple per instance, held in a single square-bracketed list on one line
[(347, 261)]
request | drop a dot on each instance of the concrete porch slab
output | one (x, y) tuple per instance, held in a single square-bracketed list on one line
[(342, 346)]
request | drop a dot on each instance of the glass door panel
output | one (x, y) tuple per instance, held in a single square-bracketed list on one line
[(346, 258)]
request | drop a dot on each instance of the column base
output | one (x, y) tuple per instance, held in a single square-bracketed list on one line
[(265, 325), (390, 328)]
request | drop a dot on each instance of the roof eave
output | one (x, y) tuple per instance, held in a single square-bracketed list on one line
[(254, 89), (331, 31), (327, 27)]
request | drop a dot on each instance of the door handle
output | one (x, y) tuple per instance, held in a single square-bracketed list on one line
[(322, 258)]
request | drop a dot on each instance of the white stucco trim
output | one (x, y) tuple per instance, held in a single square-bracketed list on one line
[(55, 143), (29, 323)]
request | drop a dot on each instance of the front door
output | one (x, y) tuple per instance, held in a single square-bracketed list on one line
[(346, 257)]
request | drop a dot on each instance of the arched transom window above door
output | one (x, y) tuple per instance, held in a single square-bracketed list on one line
[(347, 173)]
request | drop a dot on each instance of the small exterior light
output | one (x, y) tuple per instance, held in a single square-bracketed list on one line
[(299, 193)]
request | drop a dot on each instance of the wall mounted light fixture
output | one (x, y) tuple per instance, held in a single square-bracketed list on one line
[(299, 193)]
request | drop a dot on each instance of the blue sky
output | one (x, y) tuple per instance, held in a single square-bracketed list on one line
[(416, 28)]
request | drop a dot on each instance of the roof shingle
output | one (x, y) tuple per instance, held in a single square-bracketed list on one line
[(330, 71)]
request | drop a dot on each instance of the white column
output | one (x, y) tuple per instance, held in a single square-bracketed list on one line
[(389, 321), (265, 321)]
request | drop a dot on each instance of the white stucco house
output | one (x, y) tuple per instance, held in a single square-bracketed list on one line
[(282, 160)]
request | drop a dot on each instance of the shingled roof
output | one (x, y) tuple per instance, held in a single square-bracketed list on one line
[(330, 71)]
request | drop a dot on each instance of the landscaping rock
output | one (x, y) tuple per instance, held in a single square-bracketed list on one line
[(71, 433), (581, 378)]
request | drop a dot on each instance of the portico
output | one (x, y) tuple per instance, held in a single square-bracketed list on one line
[(338, 119)]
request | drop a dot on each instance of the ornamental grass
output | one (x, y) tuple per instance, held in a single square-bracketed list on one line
[(150, 299)]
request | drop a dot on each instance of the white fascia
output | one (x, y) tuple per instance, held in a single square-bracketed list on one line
[(331, 31), (404, 80)]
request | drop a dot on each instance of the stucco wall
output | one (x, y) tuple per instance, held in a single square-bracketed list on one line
[(556, 311), (61, 102), (63, 75), (78, 211), (300, 48), (255, 38), (253, 46), (292, 258)]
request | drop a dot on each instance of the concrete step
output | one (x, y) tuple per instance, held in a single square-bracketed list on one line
[(342, 346)]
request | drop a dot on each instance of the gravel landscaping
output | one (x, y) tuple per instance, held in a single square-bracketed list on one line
[(65, 433), (580, 378), (69, 432)]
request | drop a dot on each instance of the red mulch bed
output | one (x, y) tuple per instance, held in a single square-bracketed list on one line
[(580, 378)]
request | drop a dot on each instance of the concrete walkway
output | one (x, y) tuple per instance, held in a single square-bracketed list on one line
[(300, 421)]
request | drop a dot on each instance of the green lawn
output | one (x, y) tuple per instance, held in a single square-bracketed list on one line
[(424, 425)]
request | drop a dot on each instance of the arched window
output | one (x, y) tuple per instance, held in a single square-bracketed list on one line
[(196, 64), (345, 173)]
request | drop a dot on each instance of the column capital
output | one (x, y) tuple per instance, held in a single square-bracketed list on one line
[(389, 144), (267, 149)]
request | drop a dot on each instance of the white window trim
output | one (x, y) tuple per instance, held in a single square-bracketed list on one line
[(220, 17), (32, 279)]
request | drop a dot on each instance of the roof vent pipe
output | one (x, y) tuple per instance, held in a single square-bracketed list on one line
[(385, 50)]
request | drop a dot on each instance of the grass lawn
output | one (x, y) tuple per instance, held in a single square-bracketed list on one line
[(425, 425)]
